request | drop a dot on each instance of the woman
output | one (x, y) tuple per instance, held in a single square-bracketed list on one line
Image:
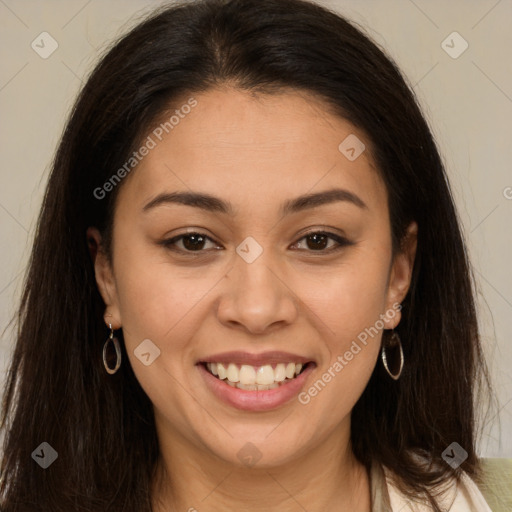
[(248, 289)]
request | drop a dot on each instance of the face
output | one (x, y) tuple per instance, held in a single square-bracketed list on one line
[(253, 279)]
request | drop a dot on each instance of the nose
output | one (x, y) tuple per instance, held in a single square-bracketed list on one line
[(257, 297)]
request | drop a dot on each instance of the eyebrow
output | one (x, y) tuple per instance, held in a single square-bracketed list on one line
[(216, 205)]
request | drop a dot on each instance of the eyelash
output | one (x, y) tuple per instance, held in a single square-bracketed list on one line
[(341, 241)]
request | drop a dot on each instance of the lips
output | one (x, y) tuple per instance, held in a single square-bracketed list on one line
[(257, 400), (255, 382)]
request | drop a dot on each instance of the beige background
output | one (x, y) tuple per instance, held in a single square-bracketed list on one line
[(467, 100)]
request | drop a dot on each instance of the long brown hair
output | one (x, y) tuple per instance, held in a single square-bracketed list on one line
[(102, 426)]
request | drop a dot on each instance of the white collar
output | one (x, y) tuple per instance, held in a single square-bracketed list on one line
[(463, 496)]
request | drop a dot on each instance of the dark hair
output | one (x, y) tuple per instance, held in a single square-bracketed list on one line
[(102, 426)]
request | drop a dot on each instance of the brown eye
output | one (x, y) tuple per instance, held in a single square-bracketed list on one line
[(190, 242), (319, 241), (193, 242)]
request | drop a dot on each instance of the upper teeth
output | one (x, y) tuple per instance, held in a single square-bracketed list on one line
[(247, 374)]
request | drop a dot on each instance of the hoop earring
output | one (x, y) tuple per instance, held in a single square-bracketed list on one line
[(115, 341), (393, 343)]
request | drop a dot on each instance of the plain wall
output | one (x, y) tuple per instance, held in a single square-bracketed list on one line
[(467, 101)]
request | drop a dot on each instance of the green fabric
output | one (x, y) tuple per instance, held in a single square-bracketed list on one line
[(497, 484)]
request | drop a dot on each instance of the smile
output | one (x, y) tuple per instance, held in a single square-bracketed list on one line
[(255, 382), (255, 378)]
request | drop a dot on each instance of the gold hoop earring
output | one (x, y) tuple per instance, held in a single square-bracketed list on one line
[(117, 347), (393, 343)]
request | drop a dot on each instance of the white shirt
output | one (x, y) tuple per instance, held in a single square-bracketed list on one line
[(463, 496)]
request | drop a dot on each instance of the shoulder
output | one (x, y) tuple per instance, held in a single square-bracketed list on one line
[(461, 496)]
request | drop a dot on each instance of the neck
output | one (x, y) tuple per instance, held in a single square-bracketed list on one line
[(326, 478)]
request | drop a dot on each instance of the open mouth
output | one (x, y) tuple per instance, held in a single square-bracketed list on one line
[(256, 378)]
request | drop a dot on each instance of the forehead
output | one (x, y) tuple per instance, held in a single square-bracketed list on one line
[(253, 149)]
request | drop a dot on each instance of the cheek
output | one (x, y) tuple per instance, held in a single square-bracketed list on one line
[(351, 305), (348, 297), (152, 298), (155, 300), (348, 303)]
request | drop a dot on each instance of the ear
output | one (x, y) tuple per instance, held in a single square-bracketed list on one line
[(400, 274), (104, 278)]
